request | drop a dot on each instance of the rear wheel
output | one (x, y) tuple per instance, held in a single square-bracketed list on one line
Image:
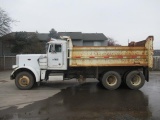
[(135, 80), (111, 80), (24, 81)]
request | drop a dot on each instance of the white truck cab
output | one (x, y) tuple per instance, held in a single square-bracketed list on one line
[(34, 66), (56, 57)]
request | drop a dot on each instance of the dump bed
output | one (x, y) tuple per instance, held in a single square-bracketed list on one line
[(135, 54)]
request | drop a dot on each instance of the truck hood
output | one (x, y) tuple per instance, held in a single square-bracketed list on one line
[(29, 60)]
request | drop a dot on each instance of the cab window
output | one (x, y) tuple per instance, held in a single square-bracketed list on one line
[(51, 49), (58, 48), (55, 48)]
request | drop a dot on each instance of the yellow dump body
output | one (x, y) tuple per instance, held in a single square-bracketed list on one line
[(135, 54)]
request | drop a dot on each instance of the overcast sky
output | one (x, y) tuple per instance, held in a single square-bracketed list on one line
[(122, 20)]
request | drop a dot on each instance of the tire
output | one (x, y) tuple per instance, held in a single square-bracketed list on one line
[(124, 79), (24, 81), (135, 80), (111, 80), (125, 75)]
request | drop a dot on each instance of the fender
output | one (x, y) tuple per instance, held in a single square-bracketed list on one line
[(20, 69)]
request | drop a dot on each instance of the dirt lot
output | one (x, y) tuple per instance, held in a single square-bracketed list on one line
[(70, 100)]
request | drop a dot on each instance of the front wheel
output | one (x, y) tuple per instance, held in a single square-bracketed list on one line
[(24, 81), (135, 80), (111, 80)]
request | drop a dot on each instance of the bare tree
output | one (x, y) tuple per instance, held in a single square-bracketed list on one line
[(5, 23), (112, 42)]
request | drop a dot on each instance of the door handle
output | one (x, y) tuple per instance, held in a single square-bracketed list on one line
[(56, 59)]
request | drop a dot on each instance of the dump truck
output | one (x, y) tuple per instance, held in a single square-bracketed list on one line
[(110, 65)]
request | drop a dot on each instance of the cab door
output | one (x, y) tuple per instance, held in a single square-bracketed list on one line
[(55, 56)]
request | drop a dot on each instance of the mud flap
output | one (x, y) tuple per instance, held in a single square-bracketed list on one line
[(146, 73)]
